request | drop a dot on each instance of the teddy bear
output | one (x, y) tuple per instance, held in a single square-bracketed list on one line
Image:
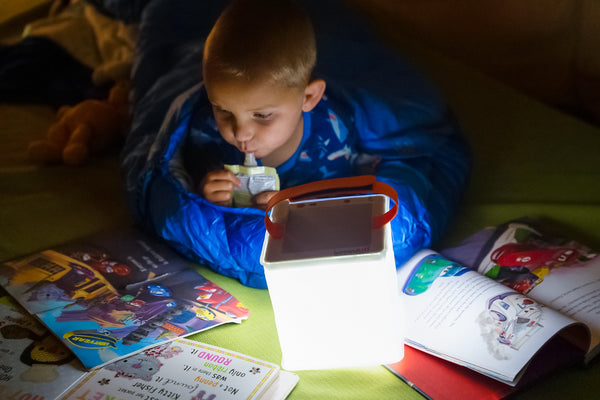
[(86, 128)]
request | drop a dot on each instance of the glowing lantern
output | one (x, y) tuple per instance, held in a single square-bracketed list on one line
[(330, 270)]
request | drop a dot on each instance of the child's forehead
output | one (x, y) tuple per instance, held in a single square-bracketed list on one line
[(257, 94)]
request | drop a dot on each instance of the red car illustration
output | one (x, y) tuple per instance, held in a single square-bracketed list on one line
[(516, 255)]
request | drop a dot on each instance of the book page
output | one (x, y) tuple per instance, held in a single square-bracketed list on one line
[(563, 275), (34, 364), (108, 328), (112, 295), (88, 267), (467, 318), (184, 369)]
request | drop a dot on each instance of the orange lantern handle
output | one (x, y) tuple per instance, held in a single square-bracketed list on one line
[(331, 188)]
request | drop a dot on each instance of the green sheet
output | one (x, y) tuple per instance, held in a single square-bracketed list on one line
[(528, 160)]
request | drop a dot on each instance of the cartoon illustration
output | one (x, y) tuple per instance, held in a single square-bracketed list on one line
[(101, 262), (48, 292), (150, 301), (201, 394), (114, 294), (145, 364), (155, 311), (164, 351), (523, 265), (139, 366), (43, 355), (511, 319), (219, 299), (431, 268), (75, 279)]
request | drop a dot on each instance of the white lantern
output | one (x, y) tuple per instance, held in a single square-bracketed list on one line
[(330, 270)]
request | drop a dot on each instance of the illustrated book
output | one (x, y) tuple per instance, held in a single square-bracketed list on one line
[(186, 369), (116, 293), (518, 306)]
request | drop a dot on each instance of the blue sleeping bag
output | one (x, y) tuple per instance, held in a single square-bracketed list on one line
[(396, 112)]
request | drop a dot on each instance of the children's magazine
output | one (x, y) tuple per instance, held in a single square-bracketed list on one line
[(116, 293), (186, 369), (526, 304)]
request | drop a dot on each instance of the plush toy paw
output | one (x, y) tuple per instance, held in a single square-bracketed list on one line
[(87, 128)]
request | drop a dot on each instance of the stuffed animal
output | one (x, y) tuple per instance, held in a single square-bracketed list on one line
[(86, 128)]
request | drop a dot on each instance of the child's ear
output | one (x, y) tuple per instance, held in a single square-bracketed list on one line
[(313, 93)]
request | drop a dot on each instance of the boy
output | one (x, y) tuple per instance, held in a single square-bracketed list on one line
[(259, 96), (262, 92)]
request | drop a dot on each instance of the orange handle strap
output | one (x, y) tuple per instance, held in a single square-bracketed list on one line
[(330, 188)]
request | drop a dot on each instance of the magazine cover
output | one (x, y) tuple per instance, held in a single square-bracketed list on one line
[(117, 293), (34, 364)]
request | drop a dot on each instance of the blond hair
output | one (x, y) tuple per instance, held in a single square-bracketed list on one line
[(268, 41)]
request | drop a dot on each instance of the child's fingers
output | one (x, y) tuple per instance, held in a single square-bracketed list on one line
[(220, 198), (217, 187), (261, 199), (222, 176), (219, 192)]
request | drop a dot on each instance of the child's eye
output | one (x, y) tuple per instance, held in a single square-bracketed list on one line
[(221, 113), (220, 110), (263, 115)]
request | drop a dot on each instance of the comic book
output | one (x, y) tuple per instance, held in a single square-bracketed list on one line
[(518, 306), (113, 294)]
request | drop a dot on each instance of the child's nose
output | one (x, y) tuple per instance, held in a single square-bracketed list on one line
[(242, 132)]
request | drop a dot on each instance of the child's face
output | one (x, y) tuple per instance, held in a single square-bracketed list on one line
[(258, 118)]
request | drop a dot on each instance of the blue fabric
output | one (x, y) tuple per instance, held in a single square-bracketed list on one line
[(376, 103)]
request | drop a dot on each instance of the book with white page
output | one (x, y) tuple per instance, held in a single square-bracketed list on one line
[(186, 369)]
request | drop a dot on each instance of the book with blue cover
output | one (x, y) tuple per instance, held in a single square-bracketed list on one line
[(116, 293)]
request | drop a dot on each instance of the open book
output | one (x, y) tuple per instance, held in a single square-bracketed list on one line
[(186, 369), (527, 304), (116, 293)]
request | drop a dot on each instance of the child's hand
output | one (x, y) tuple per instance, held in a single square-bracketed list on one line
[(260, 200), (217, 187)]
